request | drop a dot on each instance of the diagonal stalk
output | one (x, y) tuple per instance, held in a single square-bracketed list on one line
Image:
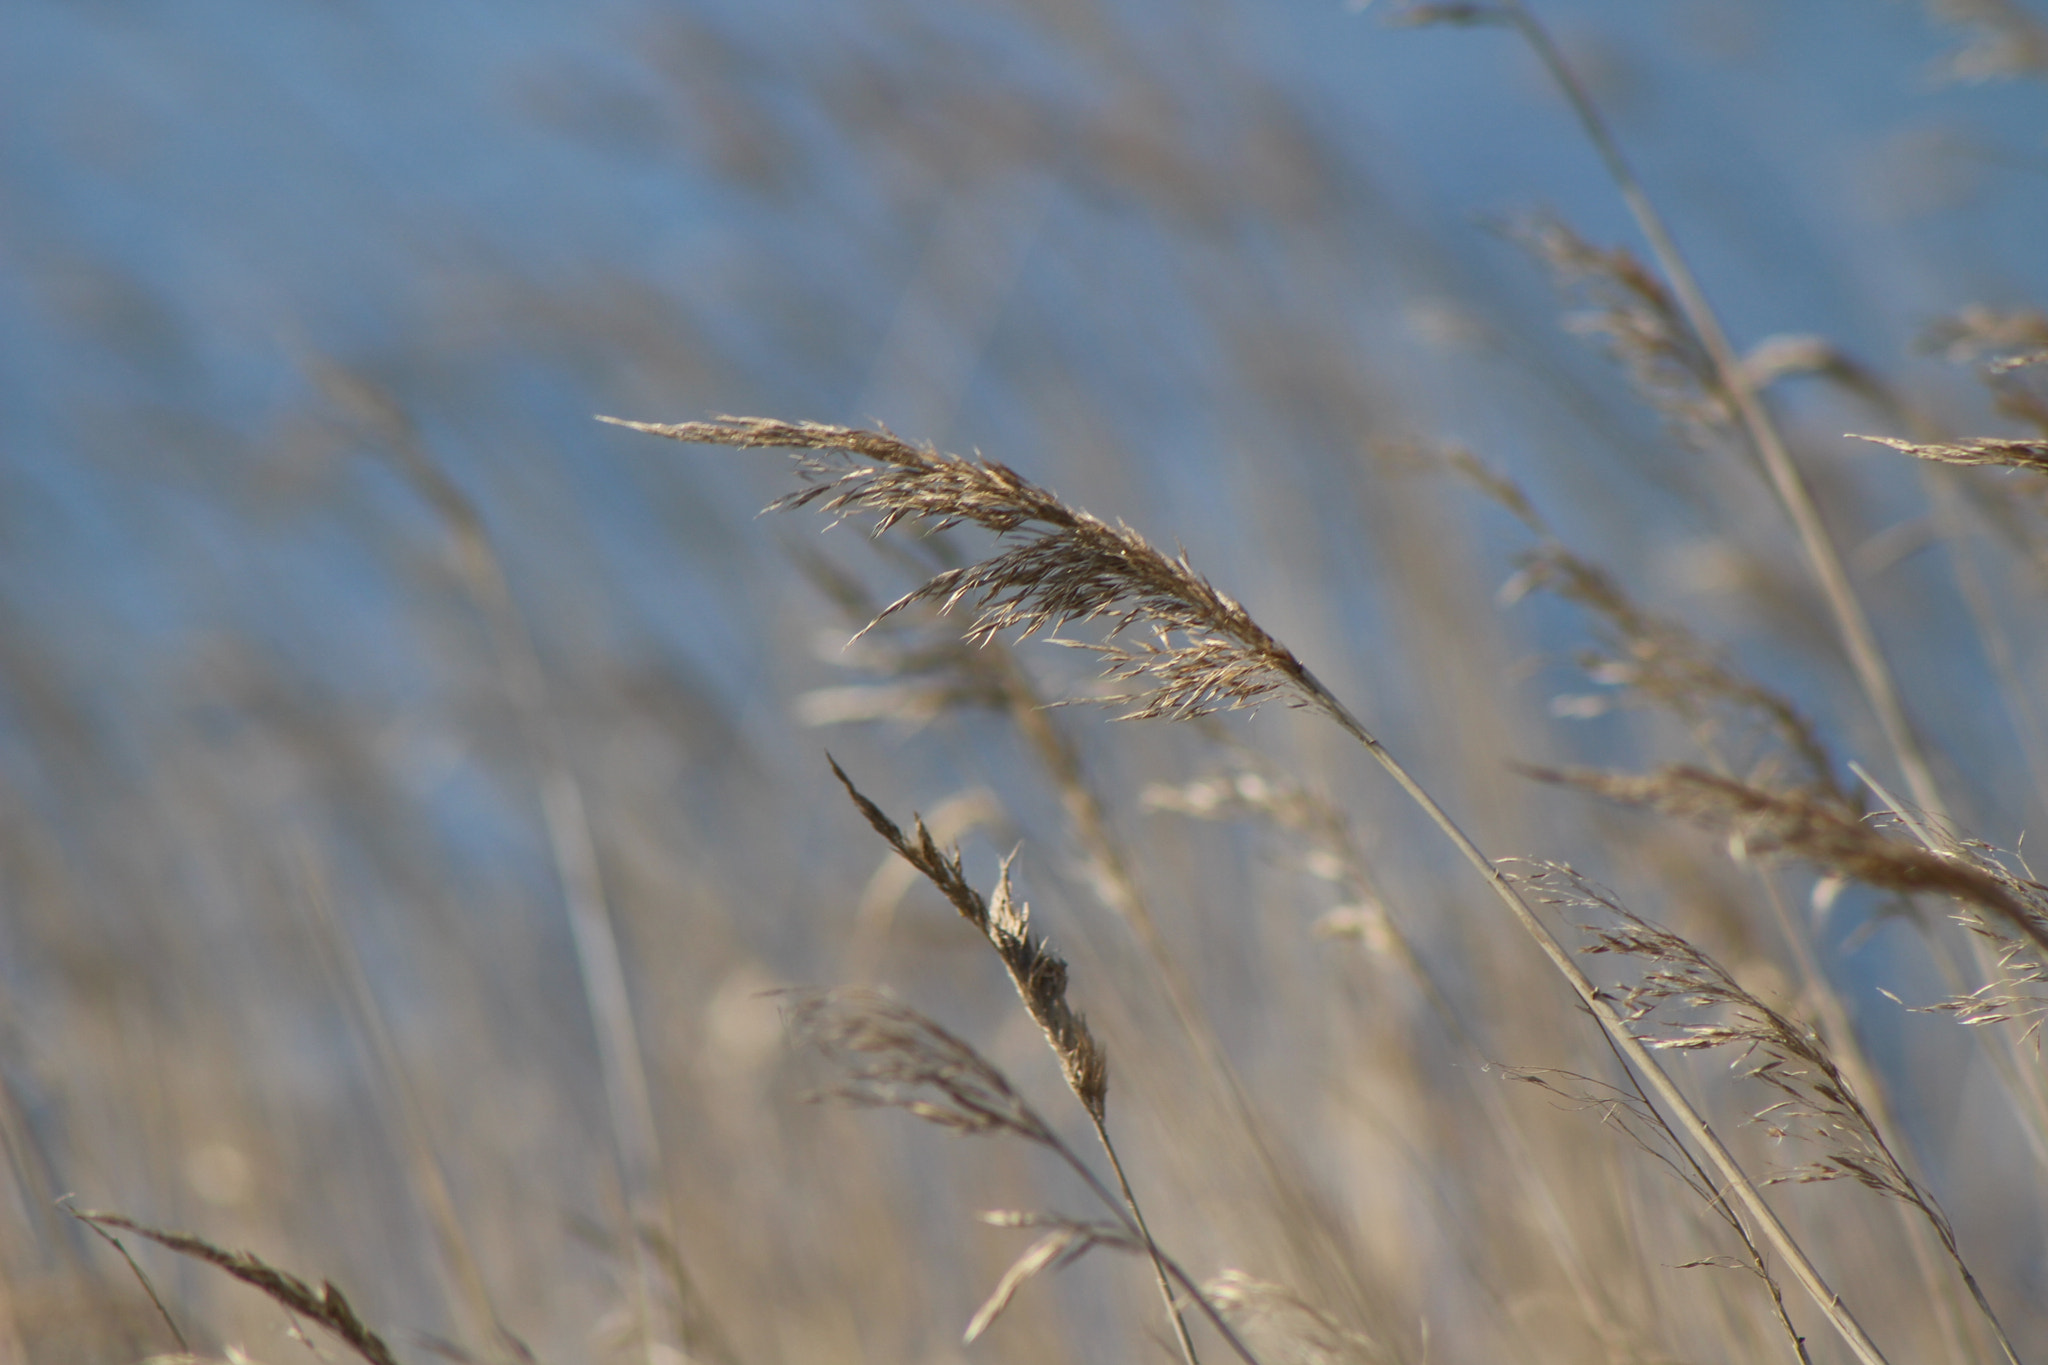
[(1127, 1213), (1689, 1119), (1859, 640)]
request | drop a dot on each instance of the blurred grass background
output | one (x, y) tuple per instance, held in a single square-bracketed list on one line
[(315, 574)]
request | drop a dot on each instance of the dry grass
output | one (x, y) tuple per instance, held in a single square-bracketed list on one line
[(1071, 566), (1064, 566), (487, 1005), (326, 1305)]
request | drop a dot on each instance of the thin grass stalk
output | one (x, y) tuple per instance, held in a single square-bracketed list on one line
[(1504, 1124), (326, 1305), (1161, 1266), (2024, 1083), (13, 1350), (1795, 1061), (1689, 1118), (1124, 1204), (1127, 1212), (1822, 832), (467, 1288), (1676, 674), (1848, 1050), (636, 1144), (1948, 502), (1940, 1225), (1040, 976), (1997, 642), (896, 1057), (1702, 1182), (1859, 640), (598, 961)]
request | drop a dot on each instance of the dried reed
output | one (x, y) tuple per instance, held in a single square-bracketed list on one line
[(893, 1056), (1686, 1001), (1668, 327), (1819, 829), (2010, 454), (325, 1305), (1068, 565)]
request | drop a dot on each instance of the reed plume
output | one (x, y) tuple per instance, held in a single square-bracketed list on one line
[(1065, 566)]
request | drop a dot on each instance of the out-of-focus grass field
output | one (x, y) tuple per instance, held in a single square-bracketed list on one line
[(412, 793)]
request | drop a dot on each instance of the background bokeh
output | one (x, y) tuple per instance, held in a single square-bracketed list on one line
[(330, 622)]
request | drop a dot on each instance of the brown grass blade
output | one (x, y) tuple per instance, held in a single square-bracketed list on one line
[(325, 1305), (1810, 826), (895, 1057), (1039, 973), (1988, 450), (1060, 1247)]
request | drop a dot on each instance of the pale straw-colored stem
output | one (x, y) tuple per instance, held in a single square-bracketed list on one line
[(1689, 1119), (573, 846)]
